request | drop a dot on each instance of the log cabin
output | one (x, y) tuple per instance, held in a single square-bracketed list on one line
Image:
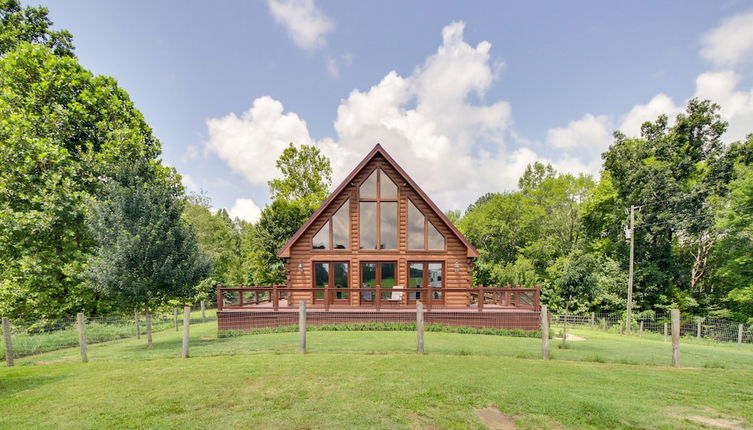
[(378, 244)]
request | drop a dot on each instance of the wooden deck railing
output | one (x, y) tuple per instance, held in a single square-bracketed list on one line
[(500, 297)]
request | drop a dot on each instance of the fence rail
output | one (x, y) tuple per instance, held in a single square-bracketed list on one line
[(375, 297)]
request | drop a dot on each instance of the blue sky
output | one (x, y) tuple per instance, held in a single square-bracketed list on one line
[(463, 94)]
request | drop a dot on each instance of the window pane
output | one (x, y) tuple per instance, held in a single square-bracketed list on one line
[(341, 227), (388, 275), (321, 278), (367, 219), (369, 186), (341, 280), (321, 239), (435, 278), (368, 280), (388, 232), (415, 227), (436, 240), (387, 188), (415, 279)]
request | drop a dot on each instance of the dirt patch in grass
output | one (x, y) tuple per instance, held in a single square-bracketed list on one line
[(722, 423), (495, 420), (714, 419)]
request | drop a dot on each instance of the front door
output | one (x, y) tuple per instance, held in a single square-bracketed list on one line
[(381, 274), (335, 276)]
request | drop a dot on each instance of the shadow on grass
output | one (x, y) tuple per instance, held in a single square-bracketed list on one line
[(10, 385)]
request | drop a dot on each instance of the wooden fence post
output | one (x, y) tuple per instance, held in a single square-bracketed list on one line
[(665, 332), (186, 328), (302, 327), (640, 329), (544, 314), (593, 318), (203, 312), (698, 330), (676, 337), (8, 344), (82, 336), (136, 318), (739, 335), (175, 317), (420, 327), (604, 324)]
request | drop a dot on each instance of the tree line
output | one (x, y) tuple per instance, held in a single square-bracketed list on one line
[(91, 219)]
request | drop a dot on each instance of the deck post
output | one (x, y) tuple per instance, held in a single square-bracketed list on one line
[(136, 318), (480, 298), (203, 312), (275, 299), (420, 327), (186, 327), (429, 297), (82, 336), (219, 297), (302, 327), (544, 316), (327, 297), (378, 297), (537, 298), (676, 337), (8, 344), (739, 335)]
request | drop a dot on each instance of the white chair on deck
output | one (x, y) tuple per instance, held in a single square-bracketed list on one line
[(396, 296)]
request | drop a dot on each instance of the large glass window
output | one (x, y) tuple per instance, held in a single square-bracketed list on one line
[(421, 232), (378, 216), (421, 275), (332, 275), (335, 233)]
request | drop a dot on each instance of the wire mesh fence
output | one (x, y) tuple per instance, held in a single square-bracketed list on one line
[(508, 333), (701, 329), (39, 336)]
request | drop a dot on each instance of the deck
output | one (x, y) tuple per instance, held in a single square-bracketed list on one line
[(245, 308)]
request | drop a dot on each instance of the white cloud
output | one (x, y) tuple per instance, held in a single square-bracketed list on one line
[(591, 134), (731, 42), (305, 23), (250, 144), (246, 210), (189, 183), (658, 105), (425, 120), (736, 106)]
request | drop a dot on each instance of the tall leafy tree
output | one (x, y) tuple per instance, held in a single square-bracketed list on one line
[(147, 252), (675, 173), (30, 24), (305, 181), (62, 128)]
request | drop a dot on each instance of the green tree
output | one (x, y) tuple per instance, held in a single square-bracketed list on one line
[(147, 252), (676, 174), (30, 24), (733, 251), (306, 176), (61, 129)]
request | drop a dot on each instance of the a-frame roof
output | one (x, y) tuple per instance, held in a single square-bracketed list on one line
[(285, 250)]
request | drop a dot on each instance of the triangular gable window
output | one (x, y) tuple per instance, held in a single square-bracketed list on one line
[(335, 233), (422, 234)]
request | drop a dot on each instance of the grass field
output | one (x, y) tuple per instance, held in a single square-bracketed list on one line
[(374, 379)]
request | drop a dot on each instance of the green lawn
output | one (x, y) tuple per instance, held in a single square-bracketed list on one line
[(373, 379)]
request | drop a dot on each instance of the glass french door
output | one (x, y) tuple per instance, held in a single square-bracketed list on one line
[(333, 275), (380, 274), (423, 274)]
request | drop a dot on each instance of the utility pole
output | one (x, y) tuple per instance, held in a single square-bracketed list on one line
[(631, 232)]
